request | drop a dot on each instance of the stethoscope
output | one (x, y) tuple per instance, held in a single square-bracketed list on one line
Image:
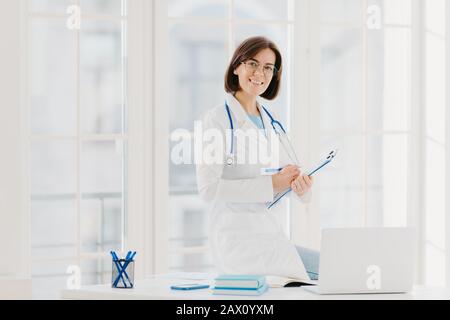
[(283, 137)]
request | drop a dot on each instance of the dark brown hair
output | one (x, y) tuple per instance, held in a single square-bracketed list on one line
[(247, 50)]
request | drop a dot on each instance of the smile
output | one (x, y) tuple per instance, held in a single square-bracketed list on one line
[(258, 83)]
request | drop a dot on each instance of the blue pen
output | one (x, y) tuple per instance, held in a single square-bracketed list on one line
[(273, 170), (125, 265), (129, 253), (119, 269), (119, 275), (118, 266)]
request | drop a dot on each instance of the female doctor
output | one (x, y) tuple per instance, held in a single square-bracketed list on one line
[(246, 237)]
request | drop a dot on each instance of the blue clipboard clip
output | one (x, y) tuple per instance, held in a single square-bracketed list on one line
[(327, 160)]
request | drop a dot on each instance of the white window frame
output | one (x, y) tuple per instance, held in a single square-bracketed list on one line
[(306, 218), (14, 215), (79, 137), (148, 132), (447, 145)]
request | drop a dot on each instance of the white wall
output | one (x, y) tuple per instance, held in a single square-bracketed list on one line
[(14, 233)]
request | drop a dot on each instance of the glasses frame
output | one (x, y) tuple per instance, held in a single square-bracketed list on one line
[(248, 68)]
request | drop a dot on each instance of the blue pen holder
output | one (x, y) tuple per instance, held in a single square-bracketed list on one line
[(122, 273)]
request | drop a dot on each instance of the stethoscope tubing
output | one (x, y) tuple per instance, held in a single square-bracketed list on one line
[(273, 122)]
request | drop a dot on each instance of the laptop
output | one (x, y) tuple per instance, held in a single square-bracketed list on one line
[(366, 260)]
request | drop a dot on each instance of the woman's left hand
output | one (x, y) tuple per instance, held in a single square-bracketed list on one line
[(302, 184)]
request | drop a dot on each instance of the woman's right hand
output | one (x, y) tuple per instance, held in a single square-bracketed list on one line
[(282, 180)]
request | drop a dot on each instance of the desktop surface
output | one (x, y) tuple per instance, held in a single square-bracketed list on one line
[(158, 288)]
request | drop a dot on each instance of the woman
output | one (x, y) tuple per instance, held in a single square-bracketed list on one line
[(246, 237)]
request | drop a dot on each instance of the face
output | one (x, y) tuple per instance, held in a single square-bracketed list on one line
[(255, 81)]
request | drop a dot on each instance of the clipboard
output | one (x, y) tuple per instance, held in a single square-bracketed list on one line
[(318, 167)]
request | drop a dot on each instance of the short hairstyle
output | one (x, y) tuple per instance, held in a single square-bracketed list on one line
[(247, 50)]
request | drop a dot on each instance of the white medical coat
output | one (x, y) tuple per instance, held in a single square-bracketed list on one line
[(245, 237)]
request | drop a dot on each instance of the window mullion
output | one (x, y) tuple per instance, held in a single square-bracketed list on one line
[(79, 146), (364, 96), (416, 149), (447, 143)]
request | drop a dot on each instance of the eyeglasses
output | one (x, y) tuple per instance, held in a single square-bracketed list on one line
[(252, 66)]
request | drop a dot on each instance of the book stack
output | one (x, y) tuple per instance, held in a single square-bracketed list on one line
[(246, 285)]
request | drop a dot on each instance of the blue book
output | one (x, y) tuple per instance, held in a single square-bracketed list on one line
[(240, 281), (240, 291)]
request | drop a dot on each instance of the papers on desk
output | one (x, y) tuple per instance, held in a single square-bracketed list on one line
[(280, 282)]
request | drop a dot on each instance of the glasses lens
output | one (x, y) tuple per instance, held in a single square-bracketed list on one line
[(253, 66), (269, 70)]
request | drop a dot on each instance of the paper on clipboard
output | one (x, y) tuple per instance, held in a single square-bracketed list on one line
[(311, 172)]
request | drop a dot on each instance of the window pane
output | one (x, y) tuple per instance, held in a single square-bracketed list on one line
[(397, 12), (341, 99), (52, 77), (389, 87), (341, 185), (102, 195), (435, 195), (188, 221), (340, 10), (262, 9), (434, 266), (102, 73), (197, 63), (96, 271), (197, 262), (103, 6), (101, 167), (198, 8), (49, 278), (279, 35), (387, 181), (101, 222), (53, 226), (57, 6), (435, 16), (435, 87), (53, 168)]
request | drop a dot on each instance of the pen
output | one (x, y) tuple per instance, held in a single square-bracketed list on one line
[(272, 170), (118, 266), (124, 271)]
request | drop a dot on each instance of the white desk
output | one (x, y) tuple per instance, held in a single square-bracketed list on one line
[(158, 288)]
